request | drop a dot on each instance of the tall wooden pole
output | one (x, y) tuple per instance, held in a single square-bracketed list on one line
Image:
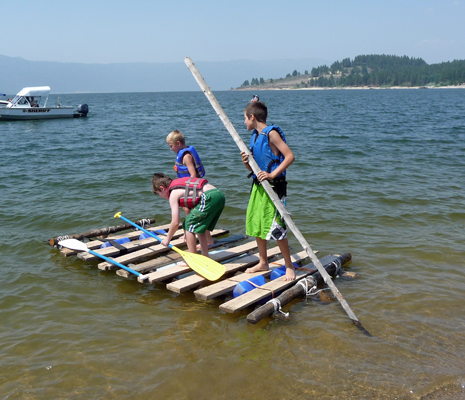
[(273, 196)]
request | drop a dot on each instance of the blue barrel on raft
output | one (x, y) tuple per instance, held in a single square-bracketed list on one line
[(120, 241), (276, 273), (145, 235), (245, 286)]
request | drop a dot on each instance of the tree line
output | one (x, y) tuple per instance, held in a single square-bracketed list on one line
[(377, 70)]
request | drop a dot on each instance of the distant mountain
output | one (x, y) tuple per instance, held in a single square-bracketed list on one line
[(16, 73)]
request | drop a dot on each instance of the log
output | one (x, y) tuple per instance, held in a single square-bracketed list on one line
[(99, 232), (297, 290), (267, 290)]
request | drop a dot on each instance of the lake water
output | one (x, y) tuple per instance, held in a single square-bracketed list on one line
[(378, 173)]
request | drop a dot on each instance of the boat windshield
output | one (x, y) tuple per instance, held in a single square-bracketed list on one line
[(15, 99), (26, 101)]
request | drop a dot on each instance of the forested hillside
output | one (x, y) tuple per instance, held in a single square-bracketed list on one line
[(370, 70)]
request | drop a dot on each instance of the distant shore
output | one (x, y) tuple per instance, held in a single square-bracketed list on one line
[(257, 88)]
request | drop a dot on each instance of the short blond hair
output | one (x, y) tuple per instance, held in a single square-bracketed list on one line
[(176, 136)]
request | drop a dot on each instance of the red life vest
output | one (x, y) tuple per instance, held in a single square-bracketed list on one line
[(188, 184)]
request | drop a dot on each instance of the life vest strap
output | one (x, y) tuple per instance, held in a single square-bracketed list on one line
[(186, 192)]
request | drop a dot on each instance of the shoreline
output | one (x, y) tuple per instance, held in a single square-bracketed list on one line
[(462, 86)]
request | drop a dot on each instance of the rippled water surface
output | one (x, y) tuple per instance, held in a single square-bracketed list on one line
[(378, 173)]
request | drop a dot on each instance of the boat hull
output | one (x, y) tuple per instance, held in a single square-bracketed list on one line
[(10, 114)]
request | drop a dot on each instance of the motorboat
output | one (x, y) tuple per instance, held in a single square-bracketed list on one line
[(31, 103)]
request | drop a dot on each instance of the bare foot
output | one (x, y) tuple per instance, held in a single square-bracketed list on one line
[(290, 273), (182, 264), (210, 245), (209, 238), (257, 268)]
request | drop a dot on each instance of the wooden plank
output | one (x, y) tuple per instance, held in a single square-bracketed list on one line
[(267, 289), (227, 286), (176, 270), (95, 244), (151, 251), (194, 281), (172, 257), (131, 247)]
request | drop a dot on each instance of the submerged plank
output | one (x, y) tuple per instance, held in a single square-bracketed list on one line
[(227, 286), (151, 251), (176, 270), (268, 289)]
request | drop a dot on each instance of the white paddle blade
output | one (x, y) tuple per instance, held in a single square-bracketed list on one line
[(73, 244)]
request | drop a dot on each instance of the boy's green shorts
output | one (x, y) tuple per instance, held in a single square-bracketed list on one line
[(205, 215)]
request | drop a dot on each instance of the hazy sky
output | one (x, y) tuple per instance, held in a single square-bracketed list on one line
[(104, 31)]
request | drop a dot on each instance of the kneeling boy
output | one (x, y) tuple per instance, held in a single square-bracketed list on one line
[(204, 200)]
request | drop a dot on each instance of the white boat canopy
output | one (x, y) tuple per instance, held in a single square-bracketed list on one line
[(30, 97), (35, 91)]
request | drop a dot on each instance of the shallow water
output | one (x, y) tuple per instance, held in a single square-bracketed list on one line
[(378, 173)]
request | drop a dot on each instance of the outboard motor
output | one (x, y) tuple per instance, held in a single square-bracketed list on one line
[(83, 109)]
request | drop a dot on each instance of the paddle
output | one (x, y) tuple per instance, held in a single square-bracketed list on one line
[(203, 265), (74, 244), (273, 196)]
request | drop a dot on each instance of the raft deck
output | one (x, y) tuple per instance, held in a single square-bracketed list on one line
[(158, 265)]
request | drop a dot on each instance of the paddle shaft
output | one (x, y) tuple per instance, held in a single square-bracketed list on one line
[(138, 274), (273, 196), (145, 230)]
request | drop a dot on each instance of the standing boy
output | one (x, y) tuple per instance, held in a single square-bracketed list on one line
[(188, 163), (273, 156), (204, 201)]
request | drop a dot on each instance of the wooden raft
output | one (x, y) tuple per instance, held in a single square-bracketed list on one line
[(158, 263)]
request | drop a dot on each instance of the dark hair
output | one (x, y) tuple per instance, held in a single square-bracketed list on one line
[(258, 109), (159, 180)]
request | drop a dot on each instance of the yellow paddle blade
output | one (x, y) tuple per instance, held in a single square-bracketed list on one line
[(205, 266)]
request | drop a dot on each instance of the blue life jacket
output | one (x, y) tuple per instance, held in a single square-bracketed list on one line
[(182, 170), (261, 150)]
